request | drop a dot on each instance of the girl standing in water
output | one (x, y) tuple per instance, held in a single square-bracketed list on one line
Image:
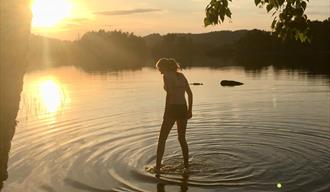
[(176, 110)]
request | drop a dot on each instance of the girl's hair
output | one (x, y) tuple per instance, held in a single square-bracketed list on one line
[(167, 64)]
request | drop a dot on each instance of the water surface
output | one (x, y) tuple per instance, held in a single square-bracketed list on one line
[(98, 132)]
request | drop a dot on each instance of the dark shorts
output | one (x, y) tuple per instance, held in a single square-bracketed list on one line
[(176, 111)]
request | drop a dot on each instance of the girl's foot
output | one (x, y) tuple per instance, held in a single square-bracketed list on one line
[(157, 171)]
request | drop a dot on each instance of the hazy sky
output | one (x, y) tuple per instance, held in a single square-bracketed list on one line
[(144, 17)]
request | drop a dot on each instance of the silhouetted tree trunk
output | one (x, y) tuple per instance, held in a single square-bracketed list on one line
[(15, 19)]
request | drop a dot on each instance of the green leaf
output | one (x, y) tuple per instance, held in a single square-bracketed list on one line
[(304, 5), (269, 7), (280, 2), (222, 16), (213, 1), (207, 22), (225, 3), (228, 13), (273, 23), (274, 13)]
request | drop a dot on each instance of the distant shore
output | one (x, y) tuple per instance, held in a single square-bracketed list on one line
[(114, 50)]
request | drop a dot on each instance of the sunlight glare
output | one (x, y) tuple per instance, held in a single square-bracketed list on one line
[(50, 94), (48, 13)]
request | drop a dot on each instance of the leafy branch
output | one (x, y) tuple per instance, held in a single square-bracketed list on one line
[(290, 20)]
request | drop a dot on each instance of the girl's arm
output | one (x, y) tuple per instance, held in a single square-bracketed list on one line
[(190, 99)]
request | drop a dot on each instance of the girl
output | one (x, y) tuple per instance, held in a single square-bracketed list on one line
[(176, 110)]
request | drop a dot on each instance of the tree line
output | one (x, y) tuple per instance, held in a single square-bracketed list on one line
[(94, 51), (111, 50)]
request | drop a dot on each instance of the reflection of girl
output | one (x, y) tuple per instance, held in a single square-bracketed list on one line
[(175, 85)]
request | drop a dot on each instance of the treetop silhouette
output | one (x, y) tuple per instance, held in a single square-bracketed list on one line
[(290, 20)]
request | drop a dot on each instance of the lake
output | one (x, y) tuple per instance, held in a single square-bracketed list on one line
[(98, 132)]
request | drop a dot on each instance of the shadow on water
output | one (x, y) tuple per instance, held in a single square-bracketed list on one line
[(183, 185), (85, 187), (309, 65), (160, 183)]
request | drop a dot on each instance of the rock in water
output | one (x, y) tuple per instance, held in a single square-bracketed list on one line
[(196, 83), (230, 83)]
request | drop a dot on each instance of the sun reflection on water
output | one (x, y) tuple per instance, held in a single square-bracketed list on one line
[(44, 97), (51, 95)]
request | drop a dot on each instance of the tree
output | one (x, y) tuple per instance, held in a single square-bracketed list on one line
[(109, 50), (290, 20), (15, 19)]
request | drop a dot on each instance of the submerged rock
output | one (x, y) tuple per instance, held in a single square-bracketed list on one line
[(230, 83), (196, 83)]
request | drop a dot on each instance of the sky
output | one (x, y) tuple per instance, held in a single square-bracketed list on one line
[(70, 19)]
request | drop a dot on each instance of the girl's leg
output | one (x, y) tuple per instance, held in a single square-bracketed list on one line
[(181, 126), (164, 131)]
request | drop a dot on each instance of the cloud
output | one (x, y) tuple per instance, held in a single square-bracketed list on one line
[(126, 12)]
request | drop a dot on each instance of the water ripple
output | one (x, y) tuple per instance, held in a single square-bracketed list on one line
[(232, 148)]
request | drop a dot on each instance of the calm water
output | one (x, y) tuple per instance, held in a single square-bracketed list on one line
[(98, 133)]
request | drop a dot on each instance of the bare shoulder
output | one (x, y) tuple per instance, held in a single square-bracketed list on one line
[(169, 79), (170, 76), (181, 75)]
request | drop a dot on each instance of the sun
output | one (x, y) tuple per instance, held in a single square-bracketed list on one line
[(48, 13)]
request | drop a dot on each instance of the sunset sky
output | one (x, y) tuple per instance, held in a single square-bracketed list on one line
[(69, 19)]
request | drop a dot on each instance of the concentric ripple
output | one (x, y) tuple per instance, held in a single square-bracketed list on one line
[(105, 137)]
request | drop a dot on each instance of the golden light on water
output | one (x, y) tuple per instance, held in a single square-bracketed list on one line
[(48, 13), (50, 95), (44, 97)]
